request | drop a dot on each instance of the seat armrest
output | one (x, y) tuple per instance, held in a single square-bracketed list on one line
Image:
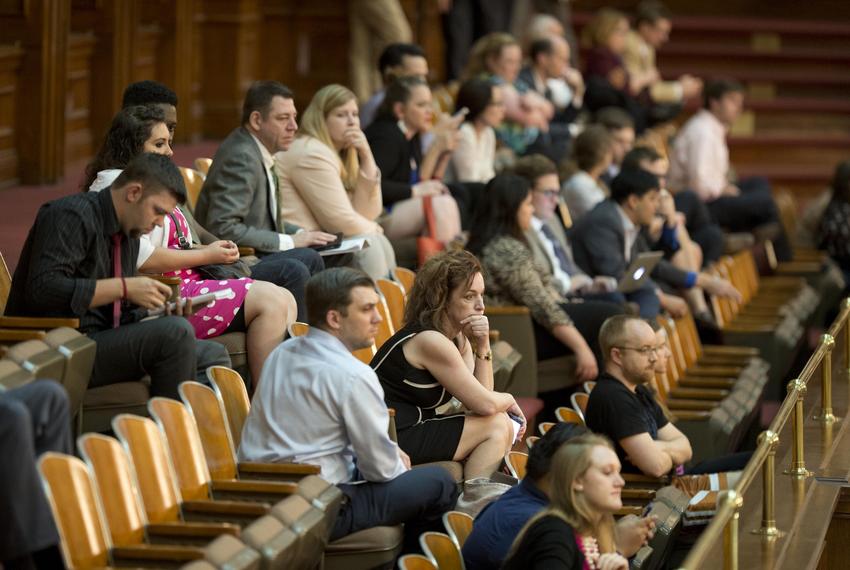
[(170, 281), (641, 478), (158, 552), (38, 323), (226, 508), (192, 530), (246, 251), (19, 335), (250, 487), (303, 469)]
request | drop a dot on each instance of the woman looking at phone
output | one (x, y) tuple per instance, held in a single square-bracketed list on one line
[(329, 181)]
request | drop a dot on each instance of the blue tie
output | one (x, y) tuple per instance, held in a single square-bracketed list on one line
[(564, 259)]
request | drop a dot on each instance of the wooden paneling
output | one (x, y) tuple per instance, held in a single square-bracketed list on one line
[(145, 52), (78, 135), (41, 28), (10, 61), (229, 59)]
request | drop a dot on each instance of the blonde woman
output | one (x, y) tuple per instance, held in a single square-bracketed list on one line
[(328, 179), (576, 532)]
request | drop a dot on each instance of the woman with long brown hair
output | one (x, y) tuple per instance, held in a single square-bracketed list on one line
[(443, 351), (576, 532)]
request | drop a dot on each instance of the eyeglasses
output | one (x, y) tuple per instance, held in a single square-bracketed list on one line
[(549, 193), (643, 350)]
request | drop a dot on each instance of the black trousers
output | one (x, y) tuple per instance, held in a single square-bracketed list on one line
[(467, 21), (587, 317), (417, 498), (700, 224), (34, 418), (290, 269), (165, 349), (752, 208)]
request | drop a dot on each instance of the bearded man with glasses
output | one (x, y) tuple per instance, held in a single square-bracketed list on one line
[(622, 406)]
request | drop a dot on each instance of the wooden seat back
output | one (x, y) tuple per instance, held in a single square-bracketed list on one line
[(202, 165), (155, 474), (569, 415), (394, 298), (589, 386), (531, 440), (207, 411), (70, 491), (5, 283), (458, 526), (543, 427), (405, 277), (194, 182), (415, 562), (230, 387), (579, 403), (114, 478), (385, 327), (298, 329), (442, 550), (516, 460)]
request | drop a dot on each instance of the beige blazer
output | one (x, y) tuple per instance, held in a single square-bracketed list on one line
[(639, 59), (311, 194)]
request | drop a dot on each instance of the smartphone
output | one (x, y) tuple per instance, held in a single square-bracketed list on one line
[(197, 302), (330, 245)]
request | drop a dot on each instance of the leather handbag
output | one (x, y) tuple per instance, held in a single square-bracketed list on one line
[(215, 271), (428, 245)]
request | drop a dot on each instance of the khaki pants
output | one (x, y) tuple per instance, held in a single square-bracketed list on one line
[(373, 25)]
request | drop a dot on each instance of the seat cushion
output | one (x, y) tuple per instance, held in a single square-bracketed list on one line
[(376, 539), (120, 394)]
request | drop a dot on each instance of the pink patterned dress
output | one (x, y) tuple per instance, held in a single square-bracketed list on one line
[(212, 320)]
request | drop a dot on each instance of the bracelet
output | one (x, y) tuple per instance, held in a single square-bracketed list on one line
[(123, 289), (488, 357)]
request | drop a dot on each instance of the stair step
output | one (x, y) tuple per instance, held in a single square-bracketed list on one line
[(801, 149)]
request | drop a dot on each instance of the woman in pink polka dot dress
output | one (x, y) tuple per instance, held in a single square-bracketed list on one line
[(213, 319)]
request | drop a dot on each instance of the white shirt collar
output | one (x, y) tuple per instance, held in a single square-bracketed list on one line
[(537, 223), (628, 224), (268, 159)]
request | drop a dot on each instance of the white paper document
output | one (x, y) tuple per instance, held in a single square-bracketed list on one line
[(346, 246)]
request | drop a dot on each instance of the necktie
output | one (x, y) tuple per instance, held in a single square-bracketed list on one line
[(116, 272), (564, 259), (273, 200)]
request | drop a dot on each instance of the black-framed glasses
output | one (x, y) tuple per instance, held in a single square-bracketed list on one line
[(643, 350)]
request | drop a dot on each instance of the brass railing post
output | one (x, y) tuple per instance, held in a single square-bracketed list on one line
[(730, 533), (768, 515), (846, 306), (798, 462), (825, 415)]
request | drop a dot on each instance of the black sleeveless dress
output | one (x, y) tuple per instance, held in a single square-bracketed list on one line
[(414, 394)]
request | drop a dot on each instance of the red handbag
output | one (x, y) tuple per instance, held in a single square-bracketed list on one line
[(428, 245)]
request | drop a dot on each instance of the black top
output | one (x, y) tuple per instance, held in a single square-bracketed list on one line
[(413, 392), (549, 544), (395, 156), (617, 412), (69, 248)]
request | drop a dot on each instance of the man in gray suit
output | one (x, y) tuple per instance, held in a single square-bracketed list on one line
[(239, 199), (547, 236), (608, 237)]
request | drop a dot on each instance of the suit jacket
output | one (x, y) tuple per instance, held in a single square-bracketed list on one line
[(599, 241), (567, 115), (541, 259), (234, 202)]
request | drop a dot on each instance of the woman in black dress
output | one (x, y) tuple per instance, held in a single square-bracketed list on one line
[(443, 351), (576, 532)]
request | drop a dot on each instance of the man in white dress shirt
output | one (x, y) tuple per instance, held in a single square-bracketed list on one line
[(318, 404)]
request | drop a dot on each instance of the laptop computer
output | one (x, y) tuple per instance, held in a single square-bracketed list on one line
[(638, 271)]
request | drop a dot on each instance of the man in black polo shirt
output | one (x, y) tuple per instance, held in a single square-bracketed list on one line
[(79, 261), (624, 409)]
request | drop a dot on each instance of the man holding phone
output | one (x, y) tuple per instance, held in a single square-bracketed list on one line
[(79, 261)]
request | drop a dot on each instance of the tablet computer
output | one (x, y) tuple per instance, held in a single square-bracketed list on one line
[(638, 271)]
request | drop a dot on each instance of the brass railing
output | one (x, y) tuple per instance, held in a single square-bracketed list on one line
[(724, 525)]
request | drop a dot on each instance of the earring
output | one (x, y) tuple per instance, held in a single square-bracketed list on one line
[(579, 488)]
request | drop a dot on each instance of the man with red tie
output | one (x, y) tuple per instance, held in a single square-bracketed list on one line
[(79, 261)]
